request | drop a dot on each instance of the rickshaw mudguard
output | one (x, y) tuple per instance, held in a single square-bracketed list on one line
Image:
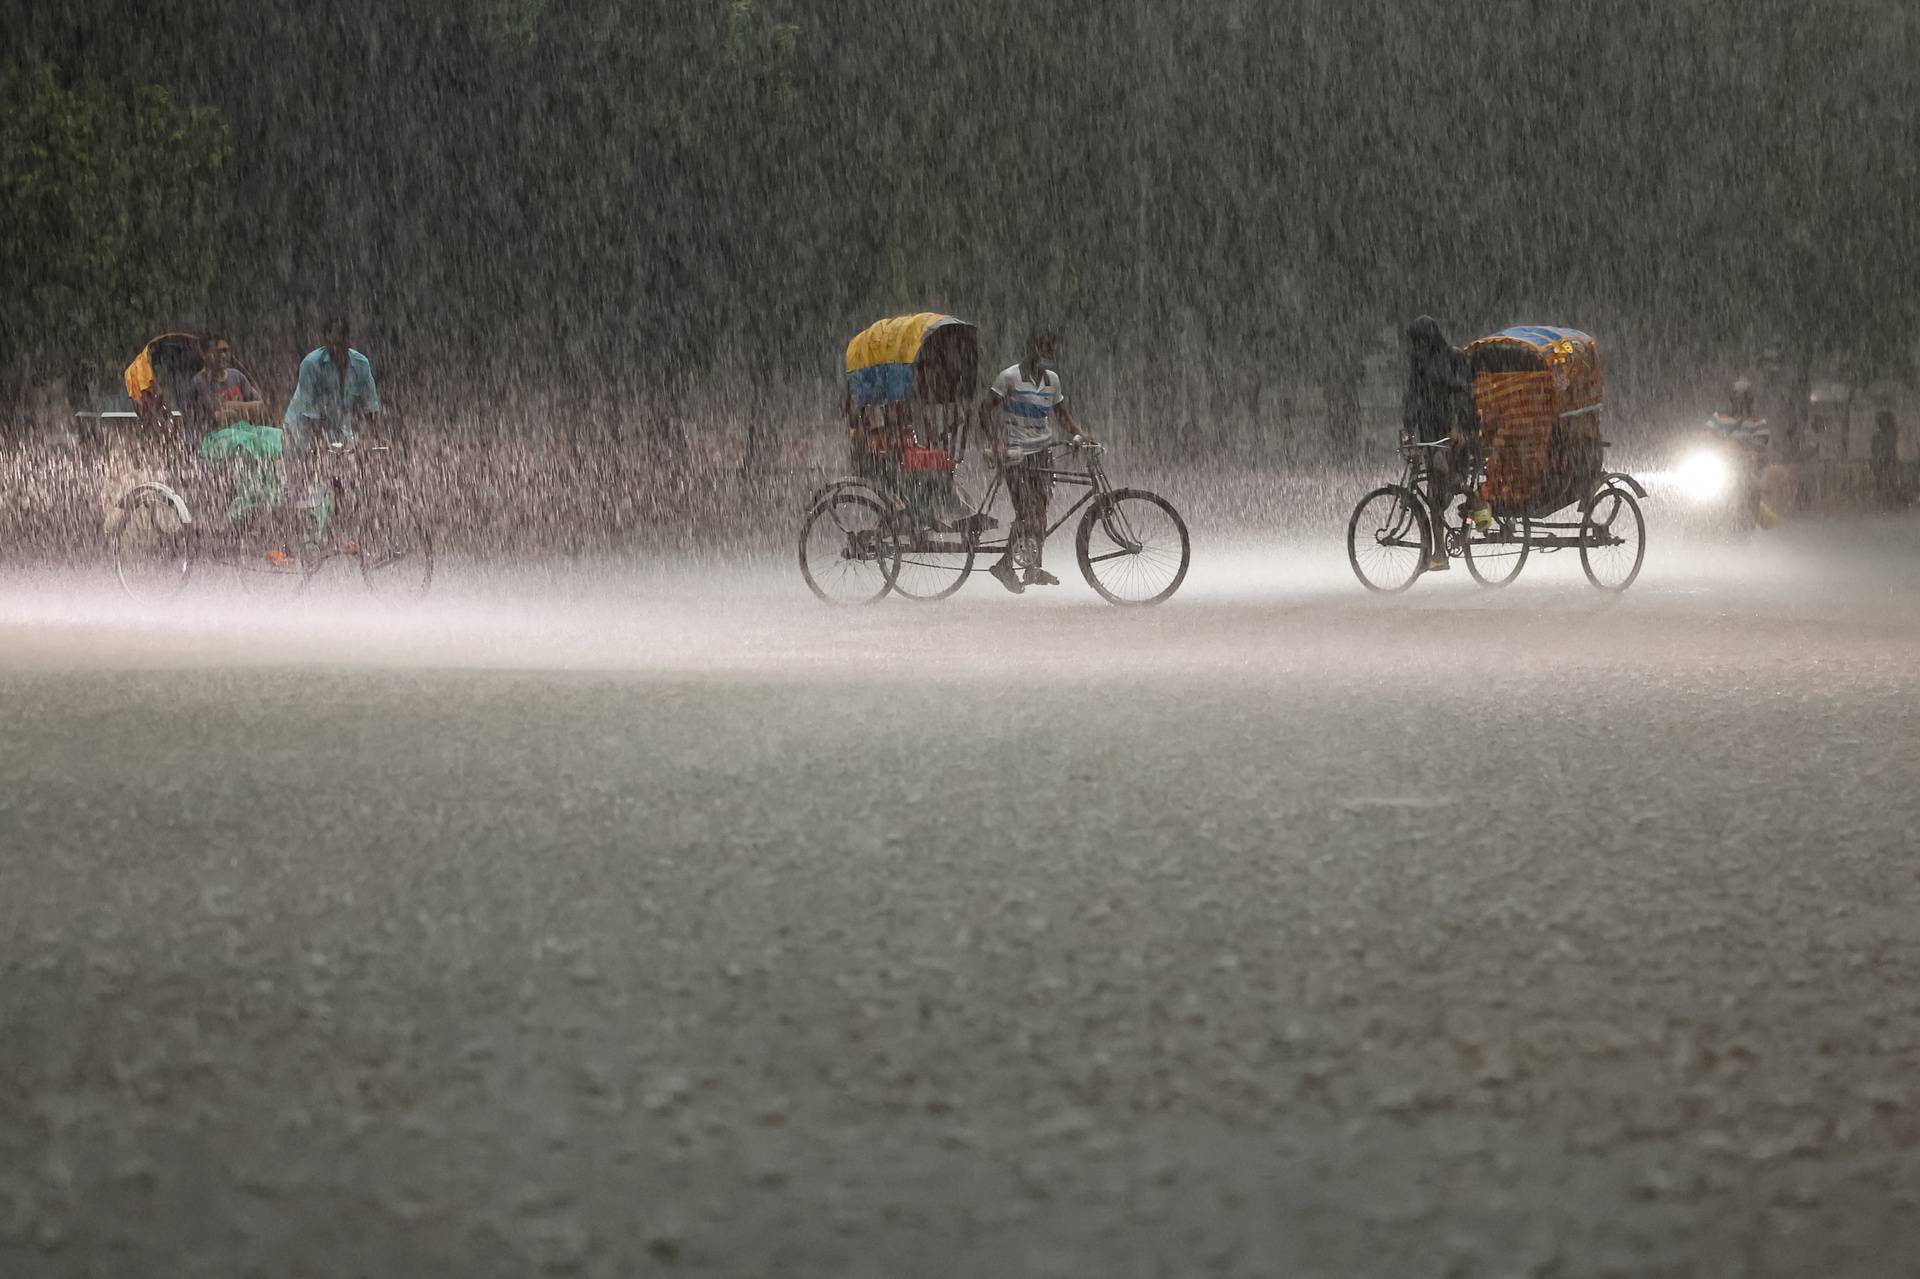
[(845, 482), (1621, 477), (155, 486)]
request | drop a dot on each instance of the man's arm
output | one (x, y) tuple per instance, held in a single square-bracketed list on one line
[(1074, 432), (251, 409)]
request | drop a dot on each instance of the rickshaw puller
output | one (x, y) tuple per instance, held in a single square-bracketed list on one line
[(1438, 408), (333, 395), (1018, 416)]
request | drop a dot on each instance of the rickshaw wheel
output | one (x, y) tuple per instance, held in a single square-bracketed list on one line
[(1387, 539), (1497, 563), (1133, 548), (154, 549), (1613, 538), (932, 565), (848, 552)]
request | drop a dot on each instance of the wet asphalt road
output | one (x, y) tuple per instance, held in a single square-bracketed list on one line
[(597, 925)]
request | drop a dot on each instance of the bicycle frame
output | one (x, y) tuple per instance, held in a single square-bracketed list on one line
[(1093, 479), (1537, 534), (232, 547), (928, 541)]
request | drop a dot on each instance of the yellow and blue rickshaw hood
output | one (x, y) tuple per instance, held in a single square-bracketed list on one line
[(880, 358)]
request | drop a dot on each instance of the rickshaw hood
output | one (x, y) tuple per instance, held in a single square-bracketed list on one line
[(880, 358), (140, 373)]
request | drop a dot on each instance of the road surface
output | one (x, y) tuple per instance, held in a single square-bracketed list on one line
[(605, 922)]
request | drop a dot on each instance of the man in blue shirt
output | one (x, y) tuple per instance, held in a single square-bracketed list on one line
[(334, 396)]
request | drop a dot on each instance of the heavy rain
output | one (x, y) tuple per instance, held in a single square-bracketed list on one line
[(830, 638)]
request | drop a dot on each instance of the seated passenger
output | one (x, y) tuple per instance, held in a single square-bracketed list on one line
[(220, 394)]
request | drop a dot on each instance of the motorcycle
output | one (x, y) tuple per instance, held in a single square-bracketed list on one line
[(1721, 472)]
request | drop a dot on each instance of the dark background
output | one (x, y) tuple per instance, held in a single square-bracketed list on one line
[(593, 203)]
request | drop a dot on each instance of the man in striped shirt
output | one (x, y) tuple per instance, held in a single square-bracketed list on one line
[(1019, 415)]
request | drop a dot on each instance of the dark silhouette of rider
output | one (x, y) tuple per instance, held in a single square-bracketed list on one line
[(1438, 408)]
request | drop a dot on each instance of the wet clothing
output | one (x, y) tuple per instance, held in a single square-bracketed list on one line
[(323, 407), (322, 398), (205, 395), (1438, 405), (1026, 408), (252, 453), (1030, 486), (1439, 395), (1748, 432), (1751, 440)]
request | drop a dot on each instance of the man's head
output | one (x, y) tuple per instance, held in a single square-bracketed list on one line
[(1042, 347), (334, 334), (1740, 398), (1425, 334), (217, 354)]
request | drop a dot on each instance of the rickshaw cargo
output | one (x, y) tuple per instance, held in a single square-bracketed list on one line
[(1537, 394)]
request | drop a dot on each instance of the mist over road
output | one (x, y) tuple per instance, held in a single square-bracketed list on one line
[(604, 921)]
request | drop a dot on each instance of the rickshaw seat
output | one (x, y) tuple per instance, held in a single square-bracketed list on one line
[(915, 460)]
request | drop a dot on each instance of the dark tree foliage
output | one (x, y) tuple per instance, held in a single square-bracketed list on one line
[(109, 217), (617, 197)]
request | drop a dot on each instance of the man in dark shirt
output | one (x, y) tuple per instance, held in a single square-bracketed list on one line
[(1438, 409)]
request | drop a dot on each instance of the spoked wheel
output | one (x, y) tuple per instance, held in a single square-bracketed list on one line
[(1613, 539), (266, 579), (1495, 558), (848, 553), (933, 565), (1133, 548), (1387, 539), (154, 548), (395, 549)]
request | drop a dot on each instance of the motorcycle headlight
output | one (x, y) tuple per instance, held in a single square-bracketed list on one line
[(1704, 474)]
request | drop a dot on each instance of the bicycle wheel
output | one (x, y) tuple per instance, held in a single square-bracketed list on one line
[(1133, 548), (395, 548), (154, 547), (1613, 539), (1497, 560), (1387, 539), (847, 550), (932, 565)]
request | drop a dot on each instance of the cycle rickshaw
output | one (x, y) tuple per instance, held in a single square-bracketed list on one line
[(216, 500), (1537, 396), (904, 523)]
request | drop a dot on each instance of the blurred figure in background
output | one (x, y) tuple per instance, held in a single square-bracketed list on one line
[(1748, 440), (1884, 460)]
